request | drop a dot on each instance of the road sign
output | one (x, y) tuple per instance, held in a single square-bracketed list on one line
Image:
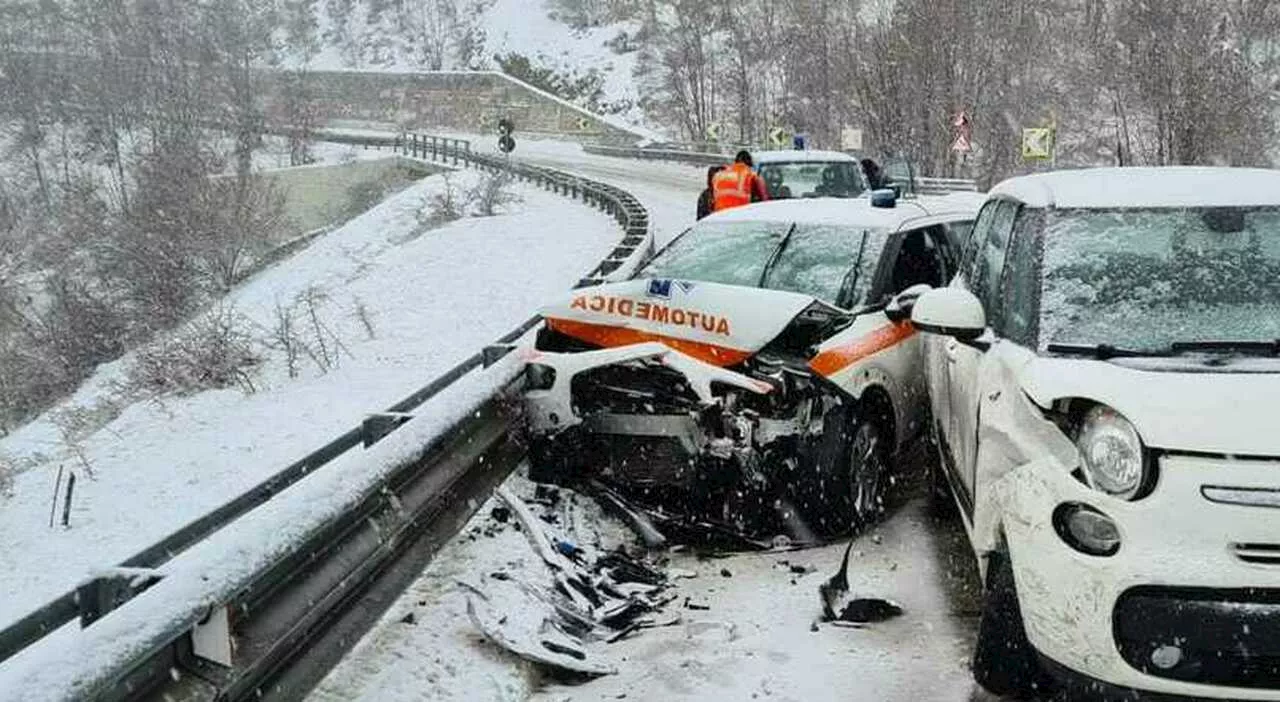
[(961, 145), (583, 124), (506, 126), (713, 132), (851, 139), (800, 142), (961, 120), (1037, 143), (778, 136), (506, 143)]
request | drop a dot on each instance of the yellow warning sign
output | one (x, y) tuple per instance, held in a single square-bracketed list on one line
[(1037, 142)]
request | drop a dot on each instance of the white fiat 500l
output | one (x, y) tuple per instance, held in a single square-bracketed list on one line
[(1104, 375)]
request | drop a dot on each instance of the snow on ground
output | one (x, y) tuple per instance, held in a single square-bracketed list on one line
[(275, 154), (510, 26), (756, 640), (433, 297), (514, 26), (667, 189), (441, 655)]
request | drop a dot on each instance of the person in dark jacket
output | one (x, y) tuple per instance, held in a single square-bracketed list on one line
[(875, 176), (706, 201)]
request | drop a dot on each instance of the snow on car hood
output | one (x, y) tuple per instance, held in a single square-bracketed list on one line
[(1175, 406), (719, 324)]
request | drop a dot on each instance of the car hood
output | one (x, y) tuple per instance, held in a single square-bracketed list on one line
[(719, 324), (1174, 407)]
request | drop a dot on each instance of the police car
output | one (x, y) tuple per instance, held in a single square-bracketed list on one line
[(1104, 375), (764, 357)]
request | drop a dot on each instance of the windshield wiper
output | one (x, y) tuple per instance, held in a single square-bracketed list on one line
[(1103, 351), (850, 282), (777, 254), (1271, 348)]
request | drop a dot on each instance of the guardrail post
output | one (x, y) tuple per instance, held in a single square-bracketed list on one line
[(433, 148), (415, 145)]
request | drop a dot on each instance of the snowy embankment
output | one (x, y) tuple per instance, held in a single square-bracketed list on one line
[(669, 191), (401, 301)]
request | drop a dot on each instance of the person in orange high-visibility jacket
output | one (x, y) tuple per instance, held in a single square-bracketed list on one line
[(738, 184)]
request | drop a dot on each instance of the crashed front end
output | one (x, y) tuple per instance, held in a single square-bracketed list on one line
[(705, 395)]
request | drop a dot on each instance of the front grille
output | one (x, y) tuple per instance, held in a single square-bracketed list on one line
[(1261, 554), (1212, 636), (633, 388)]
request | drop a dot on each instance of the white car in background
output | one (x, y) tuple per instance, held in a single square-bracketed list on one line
[(1105, 383), (810, 173)]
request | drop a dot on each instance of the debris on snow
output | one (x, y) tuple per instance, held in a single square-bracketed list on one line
[(837, 606), (596, 597), (633, 516)]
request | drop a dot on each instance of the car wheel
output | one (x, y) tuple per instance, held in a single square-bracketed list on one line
[(867, 471), (1004, 661), (845, 487)]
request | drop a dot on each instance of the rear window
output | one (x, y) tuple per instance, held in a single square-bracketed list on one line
[(812, 179)]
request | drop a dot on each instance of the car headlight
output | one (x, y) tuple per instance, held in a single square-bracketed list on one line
[(539, 377), (1111, 453)]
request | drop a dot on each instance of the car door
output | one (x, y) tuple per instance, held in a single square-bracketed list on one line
[(989, 246)]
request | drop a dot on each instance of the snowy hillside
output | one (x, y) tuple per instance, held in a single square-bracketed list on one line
[(442, 35)]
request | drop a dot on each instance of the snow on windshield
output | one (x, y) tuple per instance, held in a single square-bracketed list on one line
[(820, 258), (733, 253), (1146, 278), (817, 259)]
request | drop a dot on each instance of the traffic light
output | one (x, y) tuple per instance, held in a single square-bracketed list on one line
[(506, 144)]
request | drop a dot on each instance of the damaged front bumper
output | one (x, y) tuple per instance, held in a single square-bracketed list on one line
[(650, 392), (1184, 607)]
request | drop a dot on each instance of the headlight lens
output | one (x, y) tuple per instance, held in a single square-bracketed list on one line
[(1111, 452), (539, 377)]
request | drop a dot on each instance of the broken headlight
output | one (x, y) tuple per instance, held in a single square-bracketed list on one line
[(539, 377), (1112, 456)]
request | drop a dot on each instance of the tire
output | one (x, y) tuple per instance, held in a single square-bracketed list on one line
[(845, 489), (867, 468), (1004, 661)]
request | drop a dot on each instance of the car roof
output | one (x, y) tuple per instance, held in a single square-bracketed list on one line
[(796, 156), (1133, 187), (853, 211)]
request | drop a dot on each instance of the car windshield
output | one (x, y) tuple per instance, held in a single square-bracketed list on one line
[(733, 253), (812, 179), (817, 259), (1145, 279), (821, 258)]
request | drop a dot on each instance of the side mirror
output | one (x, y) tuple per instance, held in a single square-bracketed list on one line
[(950, 312), (899, 307)]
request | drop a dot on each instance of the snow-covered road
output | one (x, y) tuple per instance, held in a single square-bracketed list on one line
[(755, 641)]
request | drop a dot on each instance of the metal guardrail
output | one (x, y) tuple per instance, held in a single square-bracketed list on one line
[(921, 185), (698, 158), (98, 597)]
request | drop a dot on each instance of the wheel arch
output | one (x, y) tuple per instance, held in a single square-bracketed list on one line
[(876, 402)]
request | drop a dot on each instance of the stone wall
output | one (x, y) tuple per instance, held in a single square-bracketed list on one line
[(470, 102)]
